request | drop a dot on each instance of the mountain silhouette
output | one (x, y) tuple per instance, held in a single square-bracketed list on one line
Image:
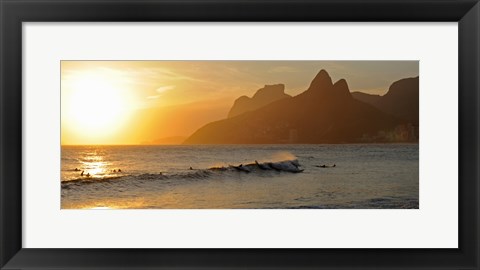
[(262, 97), (367, 98), (401, 100), (325, 113)]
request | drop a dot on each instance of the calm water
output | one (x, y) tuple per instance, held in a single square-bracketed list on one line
[(365, 176)]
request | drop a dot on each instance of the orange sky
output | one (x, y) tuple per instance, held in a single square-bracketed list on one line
[(132, 102)]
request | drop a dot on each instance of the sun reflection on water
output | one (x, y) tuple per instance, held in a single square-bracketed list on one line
[(96, 168), (94, 165)]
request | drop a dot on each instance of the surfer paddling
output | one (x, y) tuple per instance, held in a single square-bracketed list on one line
[(326, 166), (262, 166)]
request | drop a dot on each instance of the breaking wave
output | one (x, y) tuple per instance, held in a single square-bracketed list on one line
[(283, 166)]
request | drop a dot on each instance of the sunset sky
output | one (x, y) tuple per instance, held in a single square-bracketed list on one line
[(132, 102)]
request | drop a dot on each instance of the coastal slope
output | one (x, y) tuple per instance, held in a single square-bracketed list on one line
[(401, 100)]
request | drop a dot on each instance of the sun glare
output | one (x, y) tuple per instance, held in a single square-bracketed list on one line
[(96, 106)]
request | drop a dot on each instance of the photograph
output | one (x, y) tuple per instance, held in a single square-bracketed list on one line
[(256, 134)]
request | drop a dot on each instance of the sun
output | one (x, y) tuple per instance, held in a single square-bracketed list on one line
[(96, 106)]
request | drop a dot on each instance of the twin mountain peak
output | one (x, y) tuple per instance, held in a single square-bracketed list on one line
[(321, 86), (324, 113)]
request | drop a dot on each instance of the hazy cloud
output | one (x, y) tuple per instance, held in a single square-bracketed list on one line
[(165, 88)]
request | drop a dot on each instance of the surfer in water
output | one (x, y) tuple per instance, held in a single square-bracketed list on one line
[(325, 166), (262, 166), (82, 173)]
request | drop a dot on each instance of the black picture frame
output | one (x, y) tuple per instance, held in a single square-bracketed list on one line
[(14, 12)]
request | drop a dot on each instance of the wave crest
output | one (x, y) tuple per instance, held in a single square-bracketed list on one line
[(288, 166)]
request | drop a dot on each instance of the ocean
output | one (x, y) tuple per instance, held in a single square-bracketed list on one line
[(365, 176)]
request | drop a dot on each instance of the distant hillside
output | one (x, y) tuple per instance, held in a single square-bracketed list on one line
[(324, 113), (401, 100), (262, 97), (167, 140)]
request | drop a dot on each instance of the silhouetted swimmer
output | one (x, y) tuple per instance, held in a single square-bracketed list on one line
[(261, 166), (191, 168), (82, 173), (88, 174), (76, 169), (119, 170), (325, 166), (114, 170)]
